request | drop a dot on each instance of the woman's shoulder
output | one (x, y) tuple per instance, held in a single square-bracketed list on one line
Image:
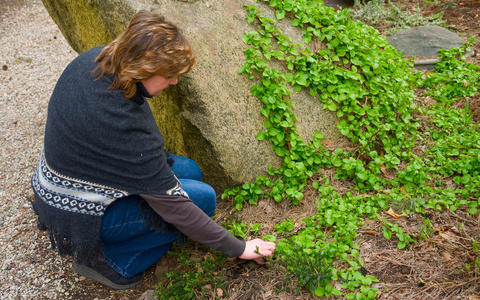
[(79, 71), (88, 57)]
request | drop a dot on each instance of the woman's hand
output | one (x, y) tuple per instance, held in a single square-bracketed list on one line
[(255, 249)]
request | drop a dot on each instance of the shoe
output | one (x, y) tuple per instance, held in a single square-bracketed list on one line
[(106, 275)]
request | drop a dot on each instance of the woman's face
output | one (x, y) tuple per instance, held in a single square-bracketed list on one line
[(157, 84)]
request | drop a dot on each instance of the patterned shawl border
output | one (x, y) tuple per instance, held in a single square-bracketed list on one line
[(70, 194)]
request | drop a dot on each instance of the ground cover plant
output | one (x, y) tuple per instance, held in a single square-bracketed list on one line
[(410, 183), (378, 11)]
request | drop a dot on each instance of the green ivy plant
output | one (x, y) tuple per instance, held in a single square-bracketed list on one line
[(358, 75), (454, 78), (361, 78)]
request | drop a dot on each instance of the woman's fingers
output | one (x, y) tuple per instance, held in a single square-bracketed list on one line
[(256, 249)]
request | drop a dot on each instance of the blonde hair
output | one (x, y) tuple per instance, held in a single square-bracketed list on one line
[(149, 46)]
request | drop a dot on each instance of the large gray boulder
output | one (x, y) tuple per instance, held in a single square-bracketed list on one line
[(210, 115), (423, 43)]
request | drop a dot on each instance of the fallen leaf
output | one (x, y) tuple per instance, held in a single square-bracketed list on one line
[(208, 255), (448, 236), (447, 256), (404, 190), (441, 228), (383, 169), (450, 264), (208, 286), (390, 212)]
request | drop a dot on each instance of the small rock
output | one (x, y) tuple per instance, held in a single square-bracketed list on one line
[(148, 295)]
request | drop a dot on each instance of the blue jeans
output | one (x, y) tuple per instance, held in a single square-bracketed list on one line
[(131, 247)]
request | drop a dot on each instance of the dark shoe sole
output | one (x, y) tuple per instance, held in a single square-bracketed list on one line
[(89, 273)]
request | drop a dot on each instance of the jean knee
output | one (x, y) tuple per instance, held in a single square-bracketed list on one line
[(186, 168), (205, 198), (211, 204)]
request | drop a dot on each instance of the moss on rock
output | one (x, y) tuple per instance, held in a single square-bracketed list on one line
[(89, 23)]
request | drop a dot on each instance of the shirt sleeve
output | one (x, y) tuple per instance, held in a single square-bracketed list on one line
[(193, 222)]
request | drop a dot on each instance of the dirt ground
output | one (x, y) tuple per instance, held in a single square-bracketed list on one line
[(433, 269)]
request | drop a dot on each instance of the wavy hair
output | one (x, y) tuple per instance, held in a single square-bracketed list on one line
[(149, 46)]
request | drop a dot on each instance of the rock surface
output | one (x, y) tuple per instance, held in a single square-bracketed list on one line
[(210, 116), (423, 42)]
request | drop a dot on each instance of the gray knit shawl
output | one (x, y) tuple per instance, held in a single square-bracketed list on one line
[(95, 137)]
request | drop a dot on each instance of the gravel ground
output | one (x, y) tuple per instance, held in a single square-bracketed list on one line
[(33, 53)]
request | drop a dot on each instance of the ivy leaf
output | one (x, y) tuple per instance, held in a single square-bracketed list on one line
[(269, 237), (301, 79), (307, 39), (260, 135), (386, 233), (280, 14), (330, 106), (318, 135), (356, 61), (336, 292), (336, 161)]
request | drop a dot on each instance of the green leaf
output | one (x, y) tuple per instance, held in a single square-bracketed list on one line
[(350, 296), (318, 135), (331, 106), (280, 14), (356, 61), (260, 135), (296, 22), (269, 237), (336, 161), (336, 292), (362, 176), (386, 233), (319, 291), (301, 79)]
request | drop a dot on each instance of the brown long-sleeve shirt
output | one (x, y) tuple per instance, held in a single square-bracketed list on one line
[(194, 223)]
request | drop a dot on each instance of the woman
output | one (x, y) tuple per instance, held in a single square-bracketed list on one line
[(104, 187)]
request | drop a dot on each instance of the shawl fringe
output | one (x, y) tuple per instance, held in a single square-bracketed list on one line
[(84, 252)]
